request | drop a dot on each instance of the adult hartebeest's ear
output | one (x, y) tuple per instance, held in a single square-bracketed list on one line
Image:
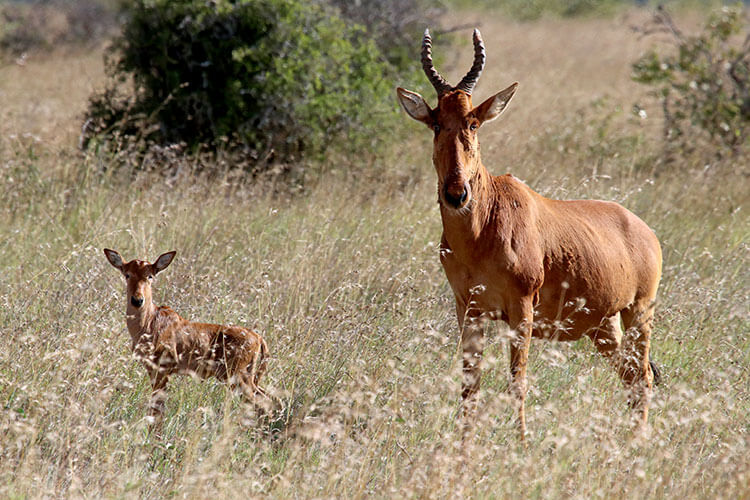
[(114, 258), (163, 261), (492, 107), (414, 105)]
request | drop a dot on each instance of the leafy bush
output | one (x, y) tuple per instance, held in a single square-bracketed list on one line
[(280, 77), (704, 85)]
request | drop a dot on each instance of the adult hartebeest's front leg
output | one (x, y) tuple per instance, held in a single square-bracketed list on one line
[(471, 326), (520, 319)]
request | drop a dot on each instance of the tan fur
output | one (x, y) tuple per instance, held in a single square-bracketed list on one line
[(550, 269), (167, 344)]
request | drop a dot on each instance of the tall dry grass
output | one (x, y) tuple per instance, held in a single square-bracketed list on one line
[(344, 283)]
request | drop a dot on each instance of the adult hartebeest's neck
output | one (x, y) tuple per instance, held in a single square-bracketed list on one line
[(466, 225)]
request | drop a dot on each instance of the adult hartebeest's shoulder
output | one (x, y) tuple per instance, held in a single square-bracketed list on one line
[(515, 222)]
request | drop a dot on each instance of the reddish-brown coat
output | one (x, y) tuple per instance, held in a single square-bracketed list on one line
[(549, 268), (167, 344)]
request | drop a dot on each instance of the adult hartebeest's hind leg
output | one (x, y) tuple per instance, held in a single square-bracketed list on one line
[(635, 366), (626, 354), (608, 338), (520, 319)]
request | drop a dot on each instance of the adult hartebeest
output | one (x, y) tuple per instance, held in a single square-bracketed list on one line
[(549, 268), (167, 344)]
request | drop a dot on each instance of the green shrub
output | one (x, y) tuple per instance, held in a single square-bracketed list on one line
[(703, 85), (284, 78)]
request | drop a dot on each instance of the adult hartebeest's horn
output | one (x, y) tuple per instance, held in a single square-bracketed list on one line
[(470, 80), (437, 81)]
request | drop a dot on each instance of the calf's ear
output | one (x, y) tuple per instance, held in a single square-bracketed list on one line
[(114, 258), (163, 261)]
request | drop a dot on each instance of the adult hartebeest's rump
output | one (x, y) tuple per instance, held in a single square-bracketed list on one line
[(549, 268)]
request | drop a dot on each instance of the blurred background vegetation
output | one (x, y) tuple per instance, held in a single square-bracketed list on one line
[(703, 83), (41, 25), (326, 242), (275, 82), (282, 79), (272, 85)]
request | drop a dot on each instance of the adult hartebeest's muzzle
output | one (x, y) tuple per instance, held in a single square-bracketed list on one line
[(457, 200), (136, 301)]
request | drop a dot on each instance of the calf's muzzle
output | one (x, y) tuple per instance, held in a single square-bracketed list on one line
[(457, 198)]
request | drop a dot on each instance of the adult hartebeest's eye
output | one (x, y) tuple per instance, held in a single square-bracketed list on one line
[(473, 126), (436, 128), (150, 277), (127, 276)]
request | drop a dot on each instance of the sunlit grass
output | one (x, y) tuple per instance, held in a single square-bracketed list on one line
[(345, 284)]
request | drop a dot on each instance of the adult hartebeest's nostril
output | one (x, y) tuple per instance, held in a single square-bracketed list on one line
[(137, 302)]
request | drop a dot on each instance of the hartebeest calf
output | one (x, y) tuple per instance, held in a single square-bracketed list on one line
[(167, 344), (549, 268)]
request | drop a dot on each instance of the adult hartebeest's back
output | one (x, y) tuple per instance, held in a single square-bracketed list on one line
[(549, 268)]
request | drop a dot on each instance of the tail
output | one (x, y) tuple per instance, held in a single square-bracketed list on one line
[(260, 363), (655, 371)]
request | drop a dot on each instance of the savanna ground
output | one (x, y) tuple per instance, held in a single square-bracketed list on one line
[(344, 283)]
